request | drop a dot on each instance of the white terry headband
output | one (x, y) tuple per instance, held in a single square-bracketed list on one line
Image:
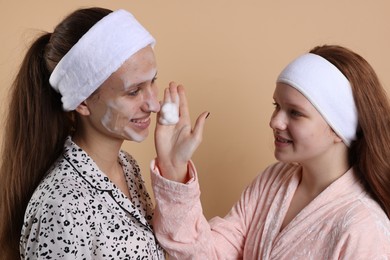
[(327, 89), (98, 53)]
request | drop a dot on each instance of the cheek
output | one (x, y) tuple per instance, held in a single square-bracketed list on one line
[(123, 108), (301, 133), (312, 133), (330, 135), (117, 114)]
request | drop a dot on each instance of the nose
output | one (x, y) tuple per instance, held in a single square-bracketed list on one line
[(151, 103), (278, 121)]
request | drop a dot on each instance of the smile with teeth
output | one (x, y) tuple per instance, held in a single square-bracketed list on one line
[(283, 140), (140, 121)]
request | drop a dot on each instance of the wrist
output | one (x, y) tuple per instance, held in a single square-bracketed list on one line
[(177, 173)]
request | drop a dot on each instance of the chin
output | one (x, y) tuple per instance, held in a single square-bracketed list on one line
[(134, 136), (137, 138), (281, 158)]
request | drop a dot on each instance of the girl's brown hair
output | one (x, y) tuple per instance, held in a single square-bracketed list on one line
[(369, 154), (36, 126)]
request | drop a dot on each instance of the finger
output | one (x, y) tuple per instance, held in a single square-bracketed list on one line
[(183, 106), (173, 91), (174, 94), (199, 126), (167, 95)]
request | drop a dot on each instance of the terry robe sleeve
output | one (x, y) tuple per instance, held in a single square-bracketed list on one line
[(343, 222)]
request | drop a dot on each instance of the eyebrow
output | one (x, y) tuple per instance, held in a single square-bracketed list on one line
[(292, 104), (137, 84)]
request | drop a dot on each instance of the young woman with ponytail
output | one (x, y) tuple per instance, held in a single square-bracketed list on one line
[(67, 190)]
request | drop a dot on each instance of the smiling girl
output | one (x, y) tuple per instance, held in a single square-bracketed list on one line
[(68, 191), (328, 197)]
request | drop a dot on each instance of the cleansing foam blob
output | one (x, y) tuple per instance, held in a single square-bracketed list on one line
[(169, 114)]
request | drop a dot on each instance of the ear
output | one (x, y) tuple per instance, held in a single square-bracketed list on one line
[(337, 139), (83, 109)]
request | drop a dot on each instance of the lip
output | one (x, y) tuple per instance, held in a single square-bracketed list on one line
[(141, 123), (282, 141)]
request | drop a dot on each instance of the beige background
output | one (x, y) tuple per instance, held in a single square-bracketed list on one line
[(227, 53)]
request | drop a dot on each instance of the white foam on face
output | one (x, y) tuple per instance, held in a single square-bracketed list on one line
[(169, 114), (115, 120)]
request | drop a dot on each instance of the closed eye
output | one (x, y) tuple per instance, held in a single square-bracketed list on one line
[(134, 92)]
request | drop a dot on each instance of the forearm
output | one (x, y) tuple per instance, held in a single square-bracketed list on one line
[(178, 221), (182, 229)]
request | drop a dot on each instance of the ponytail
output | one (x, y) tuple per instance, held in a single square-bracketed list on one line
[(36, 125), (35, 132)]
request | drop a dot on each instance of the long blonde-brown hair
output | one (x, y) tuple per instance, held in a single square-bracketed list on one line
[(370, 153), (36, 126)]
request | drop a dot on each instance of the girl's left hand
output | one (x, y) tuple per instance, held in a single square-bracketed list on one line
[(175, 144)]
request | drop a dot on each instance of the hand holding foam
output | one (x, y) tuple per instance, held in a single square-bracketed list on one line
[(169, 114), (175, 139)]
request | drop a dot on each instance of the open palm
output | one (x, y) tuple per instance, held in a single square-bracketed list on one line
[(175, 144)]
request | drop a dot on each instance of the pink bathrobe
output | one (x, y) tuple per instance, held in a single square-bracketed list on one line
[(343, 222)]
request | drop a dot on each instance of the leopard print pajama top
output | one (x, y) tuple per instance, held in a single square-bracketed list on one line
[(78, 213)]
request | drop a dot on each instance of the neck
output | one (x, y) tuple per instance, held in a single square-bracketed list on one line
[(319, 174), (104, 151)]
